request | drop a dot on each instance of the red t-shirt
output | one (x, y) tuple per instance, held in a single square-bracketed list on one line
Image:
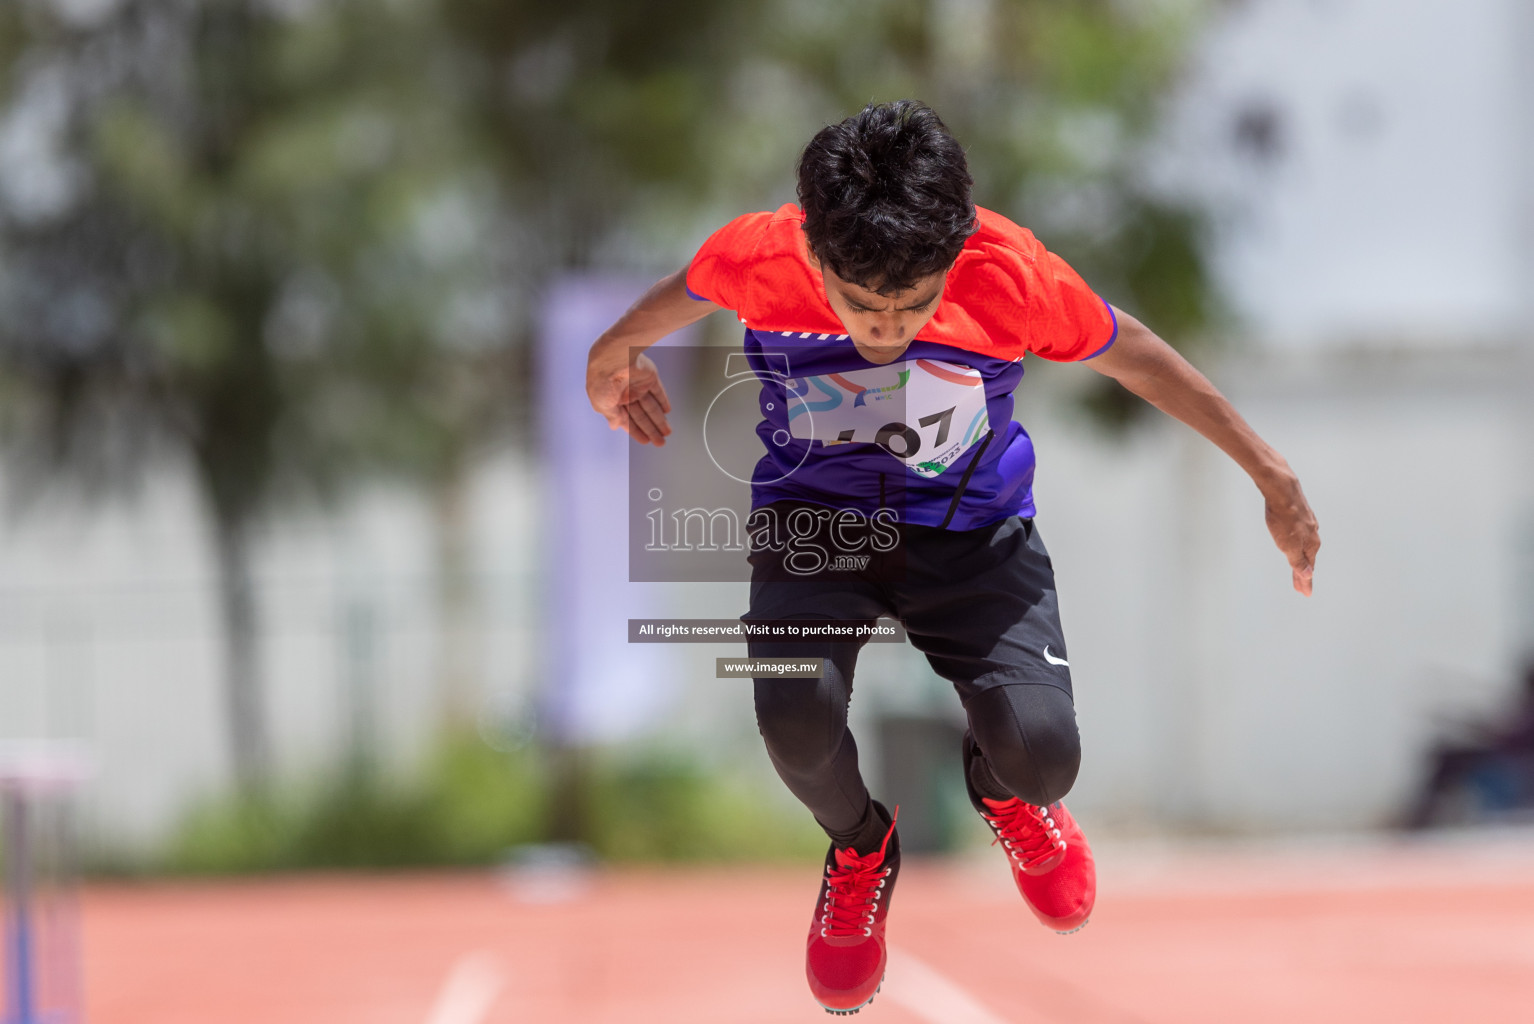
[(1006, 294), (832, 420)]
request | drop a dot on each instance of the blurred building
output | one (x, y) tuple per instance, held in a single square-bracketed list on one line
[(1371, 165)]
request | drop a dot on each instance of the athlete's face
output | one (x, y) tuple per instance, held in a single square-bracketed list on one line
[(882, 326)]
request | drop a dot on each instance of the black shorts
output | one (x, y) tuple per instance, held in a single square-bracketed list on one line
[(980, 604)]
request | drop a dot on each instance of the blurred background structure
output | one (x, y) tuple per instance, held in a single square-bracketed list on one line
[(279, 440)]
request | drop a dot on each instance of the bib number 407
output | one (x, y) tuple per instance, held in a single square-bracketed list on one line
[(924, 412)]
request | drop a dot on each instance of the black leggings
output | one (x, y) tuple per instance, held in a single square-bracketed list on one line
[(1027, 732), (981, 605)]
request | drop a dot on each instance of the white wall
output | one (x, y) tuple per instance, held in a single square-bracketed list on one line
[(109, 632), (1208, 691), (1393, 199)]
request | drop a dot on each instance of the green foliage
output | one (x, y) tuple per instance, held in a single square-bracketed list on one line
[(275, 214), (471, 804), (468, 805), (664, 806)]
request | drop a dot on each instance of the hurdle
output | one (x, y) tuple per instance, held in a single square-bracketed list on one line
[(42, 971)]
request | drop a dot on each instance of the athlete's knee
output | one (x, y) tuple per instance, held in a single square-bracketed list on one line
[(802, 721), (1029, 736)]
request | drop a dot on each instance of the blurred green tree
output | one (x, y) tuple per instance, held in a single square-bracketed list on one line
[(248, 236)]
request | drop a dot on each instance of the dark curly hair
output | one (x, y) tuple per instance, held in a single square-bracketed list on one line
[(885, 195)]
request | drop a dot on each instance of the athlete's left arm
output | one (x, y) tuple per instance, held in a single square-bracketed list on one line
[(1152, 369)]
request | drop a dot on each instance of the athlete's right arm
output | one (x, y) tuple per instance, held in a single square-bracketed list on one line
[(621, 381)]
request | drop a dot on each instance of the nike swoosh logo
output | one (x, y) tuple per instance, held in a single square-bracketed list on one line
[(1054, 660)]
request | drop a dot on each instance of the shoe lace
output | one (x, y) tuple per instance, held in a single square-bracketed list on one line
[(1029, 832), (854, 887)]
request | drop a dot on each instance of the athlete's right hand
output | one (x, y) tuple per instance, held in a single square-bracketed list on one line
[(631, 397)]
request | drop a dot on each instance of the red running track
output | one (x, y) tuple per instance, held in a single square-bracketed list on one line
[(1318, 933)]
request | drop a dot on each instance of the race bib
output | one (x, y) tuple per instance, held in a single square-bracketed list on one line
[(924, 412)]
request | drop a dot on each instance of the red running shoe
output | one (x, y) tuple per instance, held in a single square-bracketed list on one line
[(1051, 861), (845, 954)]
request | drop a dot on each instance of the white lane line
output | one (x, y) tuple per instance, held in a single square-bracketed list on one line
[(919, 987), (469, 991)]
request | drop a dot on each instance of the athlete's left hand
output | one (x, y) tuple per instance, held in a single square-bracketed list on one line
[(1293, 526)]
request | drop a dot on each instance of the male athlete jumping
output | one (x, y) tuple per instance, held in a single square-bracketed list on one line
[(888, 318)]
